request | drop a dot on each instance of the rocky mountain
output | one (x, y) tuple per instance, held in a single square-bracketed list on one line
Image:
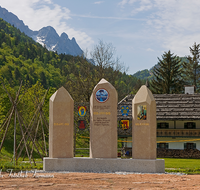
[(46, 36)]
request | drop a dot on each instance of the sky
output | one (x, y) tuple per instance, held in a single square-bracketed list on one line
[(140, 30)]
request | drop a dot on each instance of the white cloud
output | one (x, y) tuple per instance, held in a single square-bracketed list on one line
[(40, 13), (174, 24), (98, 2), (180, 43), (149, 49), (107, 17), (123, 2), (132, 1), (144, 5), (180, 15)]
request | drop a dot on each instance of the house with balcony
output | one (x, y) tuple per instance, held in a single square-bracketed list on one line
[(178, 120)]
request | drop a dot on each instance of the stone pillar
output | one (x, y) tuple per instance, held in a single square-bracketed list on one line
[(144, 125), (61, 124), (103, 121)]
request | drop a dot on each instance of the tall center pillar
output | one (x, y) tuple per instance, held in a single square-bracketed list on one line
[(103, 121)]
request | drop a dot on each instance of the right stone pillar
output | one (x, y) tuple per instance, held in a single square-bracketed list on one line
[(144, 125)]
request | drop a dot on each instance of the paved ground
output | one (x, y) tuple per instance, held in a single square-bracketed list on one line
[(94, 181)]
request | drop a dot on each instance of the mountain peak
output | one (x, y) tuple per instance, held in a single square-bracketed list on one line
[(48, 31), (49, 28), (46, 36), (64, 35)]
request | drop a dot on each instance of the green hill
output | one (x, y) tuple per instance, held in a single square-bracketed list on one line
[(21, 58), (143, 75)]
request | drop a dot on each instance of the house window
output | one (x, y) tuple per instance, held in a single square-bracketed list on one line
[(190, 125), (189, 145), (163, 145), (163, 125)]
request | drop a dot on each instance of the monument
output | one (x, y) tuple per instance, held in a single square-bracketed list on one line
[(103, 121), (103, 137)]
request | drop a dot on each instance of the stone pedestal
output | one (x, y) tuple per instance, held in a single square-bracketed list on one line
[(61, 124), (103, 121), (144, 125), (103, 165)]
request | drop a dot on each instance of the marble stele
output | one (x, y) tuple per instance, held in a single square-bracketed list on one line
[(61, 124), (103, 121)]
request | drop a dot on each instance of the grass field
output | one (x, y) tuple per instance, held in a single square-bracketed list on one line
[(182, 163), (188, 166), (6, 161)]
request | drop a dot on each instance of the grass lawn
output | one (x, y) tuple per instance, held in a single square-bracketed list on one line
[(6, 162), (182, 163), (188, 166)]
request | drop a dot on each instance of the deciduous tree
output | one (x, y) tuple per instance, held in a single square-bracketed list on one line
[(104, 58)]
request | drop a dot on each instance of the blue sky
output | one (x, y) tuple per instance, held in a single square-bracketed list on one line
[(140, 30)]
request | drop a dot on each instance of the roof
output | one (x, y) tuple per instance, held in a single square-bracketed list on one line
[(169, 106)]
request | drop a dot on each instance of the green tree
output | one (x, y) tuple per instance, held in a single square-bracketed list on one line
[(191, 67), (17, 74), (43, 79), (167, 77), (81, 82)]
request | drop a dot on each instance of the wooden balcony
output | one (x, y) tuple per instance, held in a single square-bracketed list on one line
[(178, 132)]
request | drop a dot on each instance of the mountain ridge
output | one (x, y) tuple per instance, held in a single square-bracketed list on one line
[(46, 36)]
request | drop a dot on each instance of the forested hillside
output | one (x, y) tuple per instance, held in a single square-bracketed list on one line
[(21, 58), (144, 74)]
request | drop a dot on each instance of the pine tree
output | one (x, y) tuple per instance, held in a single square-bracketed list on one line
[(191, 67), (167, 75)]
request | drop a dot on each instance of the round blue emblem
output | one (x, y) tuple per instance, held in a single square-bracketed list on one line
[(102, 95)]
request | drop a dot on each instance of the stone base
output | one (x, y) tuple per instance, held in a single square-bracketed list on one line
[(84, 164)]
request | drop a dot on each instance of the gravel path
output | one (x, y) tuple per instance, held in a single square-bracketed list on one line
[(82, 181)]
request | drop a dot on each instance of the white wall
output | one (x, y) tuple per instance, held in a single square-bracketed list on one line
[(172, 145), (176, 145), (171, 123), (180, 145), (180, 124), (198, 145), (129, 144), (198, 124)]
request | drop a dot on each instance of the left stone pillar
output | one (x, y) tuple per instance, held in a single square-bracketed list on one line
[(61, 124)]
